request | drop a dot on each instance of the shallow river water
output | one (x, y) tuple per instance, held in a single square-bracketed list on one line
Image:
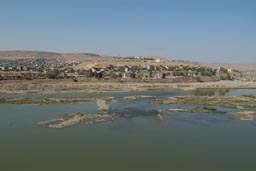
[(181, 142)]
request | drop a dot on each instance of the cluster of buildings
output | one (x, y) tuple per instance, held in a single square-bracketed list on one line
[(149, 72), (35, 68), (149, 69)]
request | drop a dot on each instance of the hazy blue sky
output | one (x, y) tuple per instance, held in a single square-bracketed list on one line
[(202, 30)]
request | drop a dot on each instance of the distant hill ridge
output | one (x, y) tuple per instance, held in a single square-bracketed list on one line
[(87, 57), (27, 54), (19, 54), (24, 54)]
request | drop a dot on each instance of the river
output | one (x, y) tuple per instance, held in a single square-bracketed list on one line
[(181, 142)]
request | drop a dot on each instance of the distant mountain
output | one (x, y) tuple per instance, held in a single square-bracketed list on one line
[(42, 54), (27, 54)]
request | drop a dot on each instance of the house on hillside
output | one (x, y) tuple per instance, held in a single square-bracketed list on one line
[(2, 68), (158, 60)]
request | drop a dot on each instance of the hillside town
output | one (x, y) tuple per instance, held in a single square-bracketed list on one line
[(127, 68)]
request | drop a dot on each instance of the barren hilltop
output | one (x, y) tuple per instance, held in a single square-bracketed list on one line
[(27, 54), (95, 59), (20, 54)]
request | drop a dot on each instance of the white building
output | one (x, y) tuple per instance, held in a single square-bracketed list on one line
[(158, 60)]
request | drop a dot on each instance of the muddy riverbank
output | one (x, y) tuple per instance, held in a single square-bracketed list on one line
[(101, 100), (237, 102), (61, 86)]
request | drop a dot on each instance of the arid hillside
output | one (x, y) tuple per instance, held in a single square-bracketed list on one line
[(94, 59), (42, 54), (27, 54)]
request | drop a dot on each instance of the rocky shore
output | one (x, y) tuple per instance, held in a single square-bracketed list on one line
[(194, 110), (237, 102), (101, 101), (50, 86), (241, 115), (76, 118)]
